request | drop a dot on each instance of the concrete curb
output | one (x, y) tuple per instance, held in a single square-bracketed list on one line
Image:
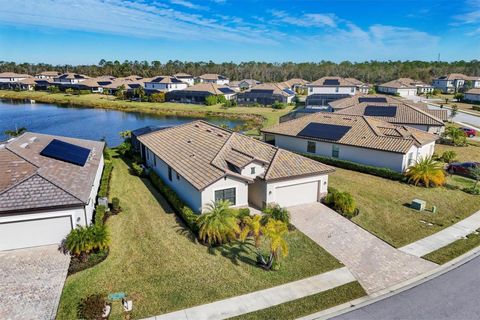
[(386, 293)]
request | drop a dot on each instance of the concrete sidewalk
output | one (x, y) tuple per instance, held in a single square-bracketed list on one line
[(444, 237), (263, 299)]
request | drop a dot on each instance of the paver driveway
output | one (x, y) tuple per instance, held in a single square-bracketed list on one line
[(31, 282), (374, 263)]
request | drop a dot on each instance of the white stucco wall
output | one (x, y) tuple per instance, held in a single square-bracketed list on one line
[(90, 207), (165, 87), (247, 171), (331, 90), (241, 191), (303, 188)]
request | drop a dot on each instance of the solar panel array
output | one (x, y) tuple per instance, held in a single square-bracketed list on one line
[(289, 91), (262, 91), (226, 90), (64, 151), (331, 82), (372, 99), (324, 131), (380, 111)]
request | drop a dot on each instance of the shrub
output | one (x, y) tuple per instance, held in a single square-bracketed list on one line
[(157, 97), (448, 156), (91, 307), (107, 156), (137, 169), (349, 165), (274, 211), (342, 202), (243, 212), (69, 91), (459, 96), (99, 214), (177, 204), (279, 105), (105, 181), (82, 240), (211, 100), (476, 108), (116, 205), (472, 190), (229, 104), (53, 89)]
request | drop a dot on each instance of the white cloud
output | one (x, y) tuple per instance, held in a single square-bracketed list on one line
[(188, 4), (307, 20)]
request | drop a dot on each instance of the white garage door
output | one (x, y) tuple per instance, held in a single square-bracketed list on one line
[(296, 194), (32, 233)]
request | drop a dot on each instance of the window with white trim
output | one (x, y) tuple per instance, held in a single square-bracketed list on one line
[(226, 194)]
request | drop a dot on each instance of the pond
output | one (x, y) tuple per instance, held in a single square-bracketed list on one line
[(84, 123)]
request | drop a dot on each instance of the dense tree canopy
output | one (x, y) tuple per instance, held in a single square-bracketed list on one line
[(369, 71)]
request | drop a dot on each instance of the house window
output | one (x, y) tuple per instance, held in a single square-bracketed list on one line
[(335, 151), (226, 194), (155, 160), (310, 89), (352, 89), (252, 170), (311, 147), (336, 89), (170, 173), (410, 159), (178, 176)]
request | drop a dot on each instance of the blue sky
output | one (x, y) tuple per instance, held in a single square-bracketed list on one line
[(82, 32)]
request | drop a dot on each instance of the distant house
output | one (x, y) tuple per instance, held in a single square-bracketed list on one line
[(165, 84), (452, 82), (328, 89), (213, 78), (27, 84), (398, 112), (203, 163), (360, 139), (47, 75), (243, 85), (128, 85), (404, 87), (360, 86), (472, 95), (70, 78), (96, 85), (296, 83), (197, 93), (185, 77), (48, 186), (267, 94), (9, 77)]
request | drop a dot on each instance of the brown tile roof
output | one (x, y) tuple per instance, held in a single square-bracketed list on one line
[(71, 75), (296, 81), (211, 88), (14, 75), (164, 79), (182, 75), (50, 73), (277, 88), (343, 82), (212, 76), (402, 83), (365, 132), (458, 76), (473, 91), (13, 169), (200, 153)]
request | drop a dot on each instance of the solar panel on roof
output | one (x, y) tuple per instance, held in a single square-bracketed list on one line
[(262, 91), (226, 90), (331, 82), (64, 151), (288, 91), (324, 131), (372, 99), (380, 111)]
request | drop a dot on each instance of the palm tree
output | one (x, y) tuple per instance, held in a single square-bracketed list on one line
[(456, 135), (275, 231), (16, 132), (219, 224), (427, 172), (252, 225), (79, 242), (100, 237)]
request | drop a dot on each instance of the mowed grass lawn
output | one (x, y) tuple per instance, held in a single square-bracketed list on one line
[(384, 207), (155, 260)]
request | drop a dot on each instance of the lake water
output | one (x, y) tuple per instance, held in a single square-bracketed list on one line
[(85, 123)]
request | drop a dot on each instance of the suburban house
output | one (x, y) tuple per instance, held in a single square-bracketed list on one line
[(197, 93), (327, 89), (405, 87), (213, 78), (267, 94), (360, 139), (96, 85), (165, 84), (396, 111), (472, 95), (296, 83), (27, 84), (361, 86), (47, 75), (185, 77), (70, 78), (48, 186), (8, 77), (203, 163), (243, 85), (451, 83), (127, 83)]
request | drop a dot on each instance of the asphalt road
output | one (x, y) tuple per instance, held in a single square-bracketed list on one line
[(454, 295)]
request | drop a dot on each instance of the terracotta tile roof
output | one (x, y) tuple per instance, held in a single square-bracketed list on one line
[(277, 88), (182, 75), (164, 79), (211, 88), (402, 83), (201, 153), (457, 76), (71, 76), (473, 91), (14, 75), (49, 73), (342, 82), (365, 132), (296, 81), (212, 76)]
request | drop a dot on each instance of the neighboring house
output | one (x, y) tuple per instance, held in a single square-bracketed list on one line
[(48, 186), (298, 113), (360, 86), (197, 93), (9, 77), (141, 131), (96, 85), (404, 87), (267, 94), (70, 78), (185, 77), (399, 112), (213, 78), (127, 83), (243, 85), (203, 163), (296, 83), (472, 95), (27, 84), (165, 84), (47, 75), (451, 83), (328, 89), (360, 139)]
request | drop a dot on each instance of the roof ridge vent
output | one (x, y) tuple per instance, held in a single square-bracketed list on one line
[(33, 139), (24, 145)]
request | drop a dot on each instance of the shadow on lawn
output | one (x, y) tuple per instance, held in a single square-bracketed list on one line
[(236, 252)]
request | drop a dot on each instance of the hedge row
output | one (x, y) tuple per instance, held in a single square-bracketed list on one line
[(178, 205), (105, 181), (349, 165)]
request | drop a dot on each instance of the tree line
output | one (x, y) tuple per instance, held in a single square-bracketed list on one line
[(369, 71)]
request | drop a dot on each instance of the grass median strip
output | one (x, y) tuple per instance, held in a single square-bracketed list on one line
[(454, 249)]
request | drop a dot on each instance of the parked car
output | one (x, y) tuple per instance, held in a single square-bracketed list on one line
[(462, 168), (469, 132)]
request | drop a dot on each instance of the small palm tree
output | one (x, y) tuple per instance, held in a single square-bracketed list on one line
[(427, 172), (100, 237), (252, 225), (275, 231), (15, 133), (79, 242), (219, 224), (456, 135)]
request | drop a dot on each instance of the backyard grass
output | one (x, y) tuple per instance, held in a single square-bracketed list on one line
[(384, 207), (157, 262), (308, 305), (464, 154), (255, 116), (461, 105), (454, 249)]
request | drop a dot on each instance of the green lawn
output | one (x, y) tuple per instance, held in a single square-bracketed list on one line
[(454, 249), (464, 154), (156, 261), (461, 105), (308, 305), (384, 207), (258, 116)]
